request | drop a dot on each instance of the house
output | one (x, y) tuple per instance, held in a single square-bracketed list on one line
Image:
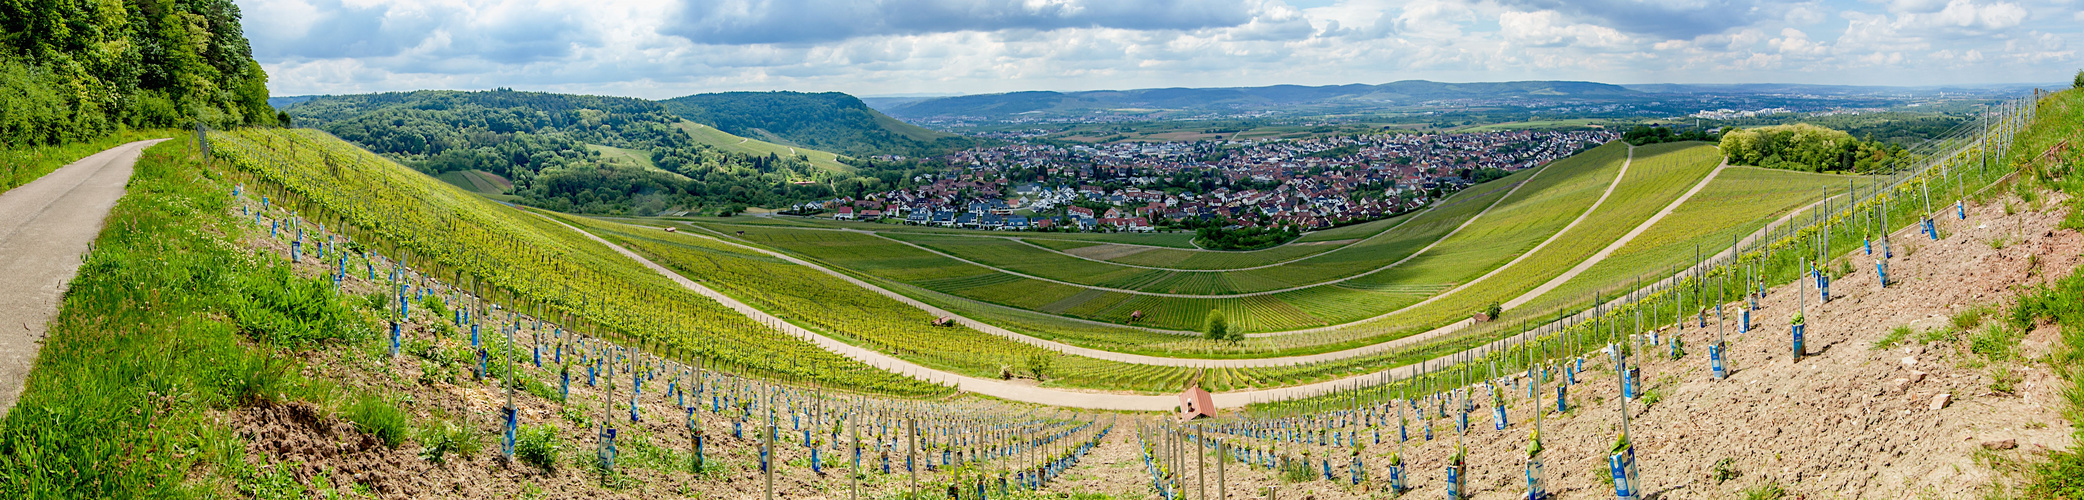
[(1043, 223), (845, 213), (1016, 223), (1080, 212), (871, 214)]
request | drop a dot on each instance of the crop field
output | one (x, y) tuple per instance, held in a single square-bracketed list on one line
[(478, 181)]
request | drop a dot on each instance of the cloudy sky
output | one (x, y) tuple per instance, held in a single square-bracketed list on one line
[(667, 48)]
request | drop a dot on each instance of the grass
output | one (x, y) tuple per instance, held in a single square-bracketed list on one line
[(1895, 337), (23, 165), (724, 140), (538, 445), (377, 416), (121, 400)]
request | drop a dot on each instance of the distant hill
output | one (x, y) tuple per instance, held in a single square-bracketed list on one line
[(1000, 106), (596, 154), (829, 121)]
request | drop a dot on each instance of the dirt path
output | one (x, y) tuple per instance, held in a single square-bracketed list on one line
[(45, 229), (1603, 253)]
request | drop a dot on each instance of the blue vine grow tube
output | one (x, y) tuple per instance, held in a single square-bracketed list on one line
[(1715, 361), (394, 338), (1395, 473), (1457, 483), (1744, 323), (1536, 489), (1562, 401), (1622, 465), (511, 422), (1797, 328)]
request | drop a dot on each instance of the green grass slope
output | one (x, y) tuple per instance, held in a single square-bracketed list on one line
[(829, 121), (725, 141)]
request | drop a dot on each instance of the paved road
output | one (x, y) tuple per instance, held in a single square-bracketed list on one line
[(45, 228)]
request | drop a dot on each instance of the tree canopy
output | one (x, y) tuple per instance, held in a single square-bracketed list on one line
[(1805, 147), (76, 69)]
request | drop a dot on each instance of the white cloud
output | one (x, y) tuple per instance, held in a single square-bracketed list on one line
[(650, 49)]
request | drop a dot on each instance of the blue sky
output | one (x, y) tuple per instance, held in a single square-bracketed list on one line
[(659, 49)]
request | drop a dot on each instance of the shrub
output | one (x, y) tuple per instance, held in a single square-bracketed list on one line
[(2079, 81), (377, 417), (1040, 364), (538, 445), (1217, 326)]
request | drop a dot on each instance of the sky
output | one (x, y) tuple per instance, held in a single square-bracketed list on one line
[(667, 48)]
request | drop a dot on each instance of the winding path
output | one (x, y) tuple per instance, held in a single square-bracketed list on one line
[(1101, 400), (46, 227)]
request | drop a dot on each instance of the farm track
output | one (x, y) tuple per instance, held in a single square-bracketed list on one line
[(46, 229)]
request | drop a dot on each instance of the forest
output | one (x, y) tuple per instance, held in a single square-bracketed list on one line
[(540, 142), (71, 70), (1807, 148), (829, 121)]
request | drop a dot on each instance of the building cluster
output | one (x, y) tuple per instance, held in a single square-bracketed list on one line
[(1145, 186)]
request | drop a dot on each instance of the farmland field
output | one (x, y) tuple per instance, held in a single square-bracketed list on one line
[(724, 140)]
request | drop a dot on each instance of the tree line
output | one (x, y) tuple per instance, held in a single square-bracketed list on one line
[(541, 141), (71, 70), (1807, 148)]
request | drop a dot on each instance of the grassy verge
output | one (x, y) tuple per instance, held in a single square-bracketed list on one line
[(166, 324), (20, 166)]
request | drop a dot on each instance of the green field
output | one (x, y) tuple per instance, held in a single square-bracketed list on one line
[(719, 139), (1541, 206), (478, 181)]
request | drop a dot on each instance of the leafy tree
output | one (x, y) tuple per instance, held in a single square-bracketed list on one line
[(1805, 147), (2079, 81), (76, 69), (1217, 326)]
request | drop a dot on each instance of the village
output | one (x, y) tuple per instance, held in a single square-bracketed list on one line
[(1150, 186)]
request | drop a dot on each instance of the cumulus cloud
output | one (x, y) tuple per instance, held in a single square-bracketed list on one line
[(1668, 19), (658, 49), (732, 22)]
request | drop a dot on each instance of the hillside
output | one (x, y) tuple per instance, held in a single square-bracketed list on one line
[(593, 154), (725, 141), (829, 121), (1287, 97)]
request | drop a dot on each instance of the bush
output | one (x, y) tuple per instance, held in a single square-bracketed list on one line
[(1216, 326), (1040, 364), (2079, 81), (538, 445), (377, 417)]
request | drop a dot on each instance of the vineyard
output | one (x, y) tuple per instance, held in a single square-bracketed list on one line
[(439, 228)]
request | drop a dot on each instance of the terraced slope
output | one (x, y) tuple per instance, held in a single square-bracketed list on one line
[(1526, 207)]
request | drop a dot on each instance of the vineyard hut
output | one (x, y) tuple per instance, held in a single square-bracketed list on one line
[(1196, 403)]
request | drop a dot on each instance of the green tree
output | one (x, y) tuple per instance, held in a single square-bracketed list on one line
[(1217, 326), (2079, 81), (1041, 364)]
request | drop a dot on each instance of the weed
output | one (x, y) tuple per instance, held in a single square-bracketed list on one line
[(1993, 342), (1893, 338), (442, 438), (2002, 379), (1971, 317), (1769, 490), (1931, 335), (378, 417), (538, 445), (1724, 470)]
